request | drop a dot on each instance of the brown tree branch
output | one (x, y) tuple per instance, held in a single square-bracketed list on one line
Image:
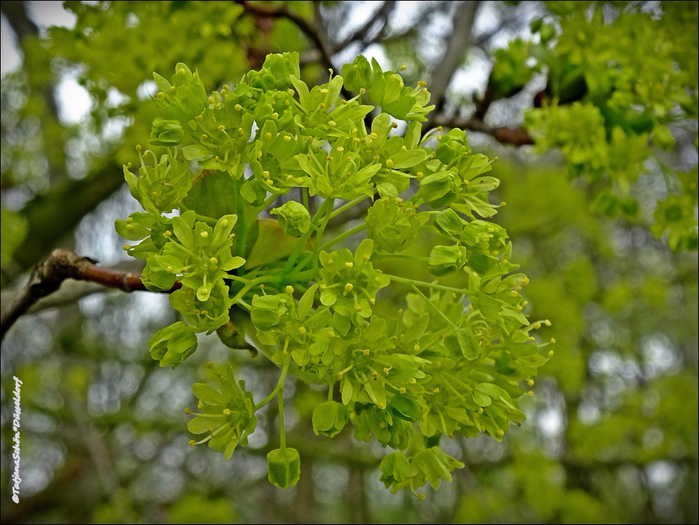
[(71, 291), (504, 135), (311, 30), (362, 33), (62, 264)]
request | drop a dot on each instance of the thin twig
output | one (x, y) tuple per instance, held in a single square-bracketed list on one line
[(62, 264), (311, 30), (362, 33)]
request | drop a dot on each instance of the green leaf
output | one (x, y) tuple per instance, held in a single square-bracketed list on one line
[(376, 392), (208, 394), (408, 159), (329, 418), (347, 390), (406, 408), (306, 301), (449, 223), (417, 329), (195, 152), (183, 231)]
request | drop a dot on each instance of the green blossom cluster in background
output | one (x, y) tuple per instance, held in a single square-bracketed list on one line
[(616, 88), (453, 360)]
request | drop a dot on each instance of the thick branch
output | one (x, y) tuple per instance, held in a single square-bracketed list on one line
[(457, 45), (64, 264), (24, 29), (514, 136), (56, 213)]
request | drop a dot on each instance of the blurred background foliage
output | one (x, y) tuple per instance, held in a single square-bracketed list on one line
[(611, 434)]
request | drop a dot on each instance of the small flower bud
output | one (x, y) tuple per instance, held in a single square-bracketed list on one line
[(204, 234), (349, 287), (349, 264), (289, 289), (187, 411)]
